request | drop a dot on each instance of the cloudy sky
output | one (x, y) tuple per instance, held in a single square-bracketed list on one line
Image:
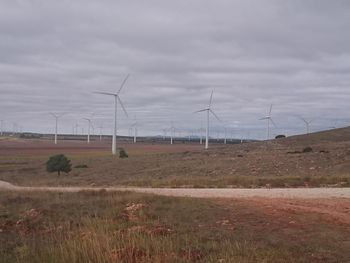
[(294, 54)]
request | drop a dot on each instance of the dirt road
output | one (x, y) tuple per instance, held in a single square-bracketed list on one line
[(304, 193)]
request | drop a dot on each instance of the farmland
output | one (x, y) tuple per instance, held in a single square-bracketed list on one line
[(104, 226)]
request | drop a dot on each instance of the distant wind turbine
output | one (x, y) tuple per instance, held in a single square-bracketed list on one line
[(172, 132), (116, 100), (164, 133), (101, 127), (76, 129), (307, 124), (56, 116), (269, 119), (134, 125), (89, 127), (201, 134), (208, 110)]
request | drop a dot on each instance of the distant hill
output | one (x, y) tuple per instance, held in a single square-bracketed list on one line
[(334, 135)]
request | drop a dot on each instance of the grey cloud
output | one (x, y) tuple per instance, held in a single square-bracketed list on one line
[(294, 54)]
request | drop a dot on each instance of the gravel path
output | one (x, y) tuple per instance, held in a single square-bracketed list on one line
[(305, 193)]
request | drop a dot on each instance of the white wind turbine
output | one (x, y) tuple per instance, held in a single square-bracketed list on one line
[(56, 116), (134, 126), (164, 133), (89, 127), (225, 140), (307, 124), (101, 127), (201, 134), (208, 110), (268, 119), (172, 132), (116, 100)]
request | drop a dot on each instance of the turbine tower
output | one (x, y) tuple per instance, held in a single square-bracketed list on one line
[(89, 126), (164, 133), (56, 116), (201, 134), (172, 132), (101, 127), (116, 100), (268, 119), (208, 110), (225, 140), (134, 125), (76, 126)]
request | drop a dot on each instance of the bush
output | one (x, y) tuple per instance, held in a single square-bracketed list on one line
[(307, 149), (58, 163), (123, 154), (280, 136)]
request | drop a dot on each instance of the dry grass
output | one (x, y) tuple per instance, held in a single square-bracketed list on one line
[(129, 227)]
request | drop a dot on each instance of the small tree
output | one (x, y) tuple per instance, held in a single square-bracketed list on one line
[(58, 163)]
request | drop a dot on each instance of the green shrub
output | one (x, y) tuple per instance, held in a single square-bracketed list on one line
[(307, 149), (58, 163), (123, 154)]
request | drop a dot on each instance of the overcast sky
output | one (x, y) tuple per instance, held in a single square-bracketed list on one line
[(294, 54)]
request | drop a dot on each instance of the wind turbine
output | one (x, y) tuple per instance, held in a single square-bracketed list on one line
[(225, 140), (56, 116), (201, 134), (89, 126), (164, 133), (172, 132), (268, 119), (76, 128), (134, 125), (307, 124), (101, 127), (116, 100), (208, 110)]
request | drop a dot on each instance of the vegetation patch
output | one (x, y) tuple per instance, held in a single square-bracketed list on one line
[(58, 163), (129, 227), (123, 154)]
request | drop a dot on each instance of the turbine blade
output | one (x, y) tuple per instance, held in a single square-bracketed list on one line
[(60, 115), (122, 105), (264, 118), (274, 124), (200, 110), (270, 110), (304, 120), (211, 98), (105, 93), (121, 86), (216, 116)]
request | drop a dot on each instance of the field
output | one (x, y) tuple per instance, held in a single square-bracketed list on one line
[(101, 226), (277, 163), (128, 227)]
